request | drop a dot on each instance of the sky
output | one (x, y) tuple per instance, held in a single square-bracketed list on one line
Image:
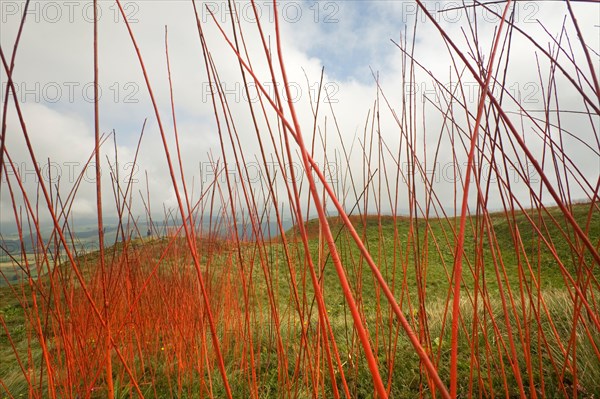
[(353, 41)]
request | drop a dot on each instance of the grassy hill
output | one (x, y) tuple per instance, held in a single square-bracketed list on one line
[(514, 290)]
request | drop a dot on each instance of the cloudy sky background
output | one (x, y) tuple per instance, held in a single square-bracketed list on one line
[(350, 39)]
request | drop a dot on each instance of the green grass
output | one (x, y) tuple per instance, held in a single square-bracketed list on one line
[(378, 236), (407, 376)]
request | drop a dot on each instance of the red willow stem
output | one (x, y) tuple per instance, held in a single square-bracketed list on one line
[(106, 305), (381, 281), (458, 254), (591, 247), (187, 228)]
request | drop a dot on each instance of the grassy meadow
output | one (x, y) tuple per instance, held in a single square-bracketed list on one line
[(409, 252)]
